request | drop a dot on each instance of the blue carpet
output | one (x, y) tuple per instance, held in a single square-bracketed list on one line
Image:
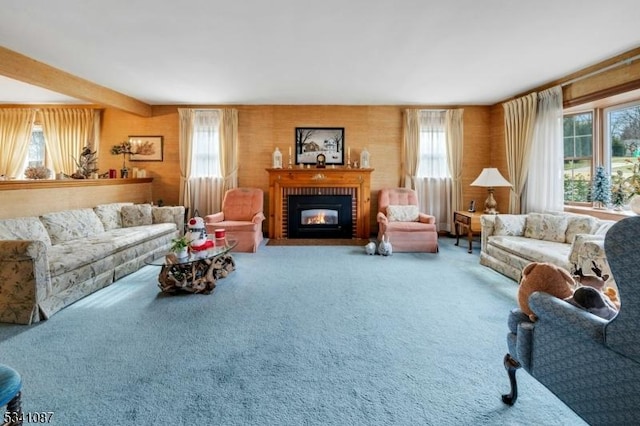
[(295, 336)]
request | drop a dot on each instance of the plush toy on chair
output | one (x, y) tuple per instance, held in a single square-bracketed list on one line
[(546, 277)]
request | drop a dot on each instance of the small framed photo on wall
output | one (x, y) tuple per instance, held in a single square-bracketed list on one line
[(146, 148)]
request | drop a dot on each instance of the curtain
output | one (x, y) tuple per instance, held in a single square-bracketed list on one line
[(519, 118), (455, 142), (544, 189), (410, 148), (229, 148), (433, 180), (201, 184), (185, 125), (66, 132), (15, 133)]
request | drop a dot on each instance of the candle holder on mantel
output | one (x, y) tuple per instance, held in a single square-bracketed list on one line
[(290, 163)]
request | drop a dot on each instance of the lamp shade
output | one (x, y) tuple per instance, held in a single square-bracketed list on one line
[(490, 177)]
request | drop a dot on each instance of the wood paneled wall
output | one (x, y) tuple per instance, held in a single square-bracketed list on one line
[(262, 128)]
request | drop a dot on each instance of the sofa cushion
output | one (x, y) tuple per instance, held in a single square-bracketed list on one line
[(70, 225), (136, 215), (24, 228), (579, 224), (534, 250), (408, 213), (510, 224), (109, 214), (546, 227)]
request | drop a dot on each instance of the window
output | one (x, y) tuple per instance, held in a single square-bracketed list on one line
[(433, 145), (578, 156), (616, 146), (206, 144), (622, 138)]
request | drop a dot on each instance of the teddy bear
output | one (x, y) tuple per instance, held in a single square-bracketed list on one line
[(546, 277)]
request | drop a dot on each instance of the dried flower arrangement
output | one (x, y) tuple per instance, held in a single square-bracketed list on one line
[(37, 172)]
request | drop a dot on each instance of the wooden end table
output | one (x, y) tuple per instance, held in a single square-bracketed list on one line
[(469, 221), (196, 273)]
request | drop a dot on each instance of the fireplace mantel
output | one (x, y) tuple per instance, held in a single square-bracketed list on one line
[(280, 180)]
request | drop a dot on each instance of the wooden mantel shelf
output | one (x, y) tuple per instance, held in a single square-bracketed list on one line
[(281, 179)]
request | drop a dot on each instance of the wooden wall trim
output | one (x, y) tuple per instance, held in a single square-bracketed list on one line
[(20, 67), (9, 185)]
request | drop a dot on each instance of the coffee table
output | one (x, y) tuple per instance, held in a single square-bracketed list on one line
[(196, 273)]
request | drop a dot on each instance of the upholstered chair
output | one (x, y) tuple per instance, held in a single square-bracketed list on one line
[(590, 363), (241, 217), (400, 220)]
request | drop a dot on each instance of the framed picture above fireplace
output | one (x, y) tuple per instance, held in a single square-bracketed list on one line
[(313, 141)]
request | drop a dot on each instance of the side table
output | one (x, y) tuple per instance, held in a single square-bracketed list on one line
[(470, 221)]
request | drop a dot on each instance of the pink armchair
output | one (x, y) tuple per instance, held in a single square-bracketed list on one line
[(408, 230), (241, 217)]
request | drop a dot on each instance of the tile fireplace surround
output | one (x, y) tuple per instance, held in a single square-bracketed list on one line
[(328, 181)]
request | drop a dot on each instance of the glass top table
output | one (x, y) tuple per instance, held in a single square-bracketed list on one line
[(197, 272)]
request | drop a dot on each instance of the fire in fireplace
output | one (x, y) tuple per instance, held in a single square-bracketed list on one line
[(319, 216)]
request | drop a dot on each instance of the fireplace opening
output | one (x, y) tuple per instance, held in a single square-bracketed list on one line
[(319, 216)]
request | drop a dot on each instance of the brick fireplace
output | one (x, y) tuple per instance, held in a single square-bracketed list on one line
[(340, 194)]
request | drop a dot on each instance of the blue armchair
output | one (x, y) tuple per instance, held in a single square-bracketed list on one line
[(591, 364)]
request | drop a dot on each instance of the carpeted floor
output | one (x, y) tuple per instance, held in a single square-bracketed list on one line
[(318, 242), (305, 335)]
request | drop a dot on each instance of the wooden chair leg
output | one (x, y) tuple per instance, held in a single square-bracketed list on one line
[(511, 365), (15, 409)]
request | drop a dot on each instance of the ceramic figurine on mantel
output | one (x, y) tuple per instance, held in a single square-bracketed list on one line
[(364, 159), (277, 159)]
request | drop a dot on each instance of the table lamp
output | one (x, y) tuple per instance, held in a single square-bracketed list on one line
[(490, 178)]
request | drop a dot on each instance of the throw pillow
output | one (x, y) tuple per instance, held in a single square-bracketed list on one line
[(110, 215), (510, 224), (403, 213), (136, 215), (546, 227), (579, 225)]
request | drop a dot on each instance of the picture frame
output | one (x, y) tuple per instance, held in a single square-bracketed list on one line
[(146, 148), (313, 141)]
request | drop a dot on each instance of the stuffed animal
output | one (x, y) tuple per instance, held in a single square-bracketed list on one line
[(197, 234), (593, 301), (370, 248), (385, 248), (598, 282), (546, 277)]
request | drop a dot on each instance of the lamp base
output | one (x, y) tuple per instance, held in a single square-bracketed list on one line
[(490, 203)]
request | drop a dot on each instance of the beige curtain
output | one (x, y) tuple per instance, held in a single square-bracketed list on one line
[(229, 148), (410, 148), (455, 143), (66, 132), (15, 132), (186, 117), (519, 119)]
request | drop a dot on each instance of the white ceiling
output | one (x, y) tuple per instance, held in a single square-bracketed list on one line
[(315, 51)]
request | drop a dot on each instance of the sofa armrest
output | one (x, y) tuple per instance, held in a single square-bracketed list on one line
[(587, 246), (561, 317), (212, 218), (487, 225), (24, 280), (169, 214)]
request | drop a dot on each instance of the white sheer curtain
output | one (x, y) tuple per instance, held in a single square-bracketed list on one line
[(433, 179), (544, 189), (200, 181)]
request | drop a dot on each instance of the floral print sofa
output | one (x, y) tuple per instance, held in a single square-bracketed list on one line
[(51, 261), (510, 242)]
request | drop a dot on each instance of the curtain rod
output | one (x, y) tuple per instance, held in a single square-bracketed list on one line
[(627, 61)]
